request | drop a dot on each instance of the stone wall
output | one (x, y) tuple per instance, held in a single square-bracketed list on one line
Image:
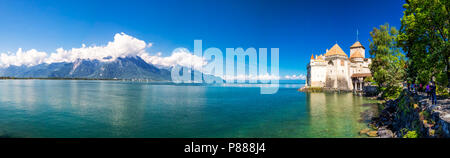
[(442, 119), (341, 83)]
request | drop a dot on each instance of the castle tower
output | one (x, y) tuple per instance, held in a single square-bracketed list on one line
[(357, 47), (337, 69), (357, 56)]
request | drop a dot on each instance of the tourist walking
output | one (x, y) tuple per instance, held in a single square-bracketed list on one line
[(409, 86), (433, 93), (427, 90)]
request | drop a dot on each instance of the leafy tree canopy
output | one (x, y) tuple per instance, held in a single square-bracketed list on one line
[(424, 37), (388, 63)]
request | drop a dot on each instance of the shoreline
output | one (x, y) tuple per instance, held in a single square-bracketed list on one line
[(412, 116)]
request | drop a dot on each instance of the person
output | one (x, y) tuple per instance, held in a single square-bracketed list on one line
[(427, 90), (416, 88), (420, 88), (433, 93), (409, 86)]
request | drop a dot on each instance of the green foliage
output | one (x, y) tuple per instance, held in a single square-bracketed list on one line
[(369, 79), (403, 131), (314, 89), (424, 37), (390, 93), (388, 63), (411, 134), (381, 107), (425, 114), (404, 104), (442, 91)]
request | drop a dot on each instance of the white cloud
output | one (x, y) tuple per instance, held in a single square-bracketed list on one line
[(180, 56), (295, 77), (27, 58), (123, 45)]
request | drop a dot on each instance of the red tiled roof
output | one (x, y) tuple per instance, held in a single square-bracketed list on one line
[(356, 54), (336, 50), (356, 45)]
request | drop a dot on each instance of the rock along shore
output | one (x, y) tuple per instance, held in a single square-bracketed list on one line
[(413, 116)]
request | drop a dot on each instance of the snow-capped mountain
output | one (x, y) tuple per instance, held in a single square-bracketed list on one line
[(121, 68)]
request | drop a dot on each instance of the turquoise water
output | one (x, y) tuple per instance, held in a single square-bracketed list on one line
[(68, 108)]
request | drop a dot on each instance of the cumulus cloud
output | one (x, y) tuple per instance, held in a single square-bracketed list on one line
[(295, 77), (27, 58), (180, 56), (123, 45)]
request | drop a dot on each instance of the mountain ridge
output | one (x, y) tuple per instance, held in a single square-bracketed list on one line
[(121, 68)]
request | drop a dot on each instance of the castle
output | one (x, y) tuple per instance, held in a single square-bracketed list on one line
[(336, 71)]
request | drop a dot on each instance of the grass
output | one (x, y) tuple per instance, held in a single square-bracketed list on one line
[(314, 89)]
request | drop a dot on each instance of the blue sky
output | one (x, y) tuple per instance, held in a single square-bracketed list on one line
[(298, 28)]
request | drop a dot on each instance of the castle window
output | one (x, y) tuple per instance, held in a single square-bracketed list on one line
[(330, 63)]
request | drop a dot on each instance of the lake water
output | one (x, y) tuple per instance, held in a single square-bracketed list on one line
[(69, 108)]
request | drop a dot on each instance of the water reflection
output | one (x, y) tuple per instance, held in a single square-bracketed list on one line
[(20, 93), (334, 114), (52, 108)]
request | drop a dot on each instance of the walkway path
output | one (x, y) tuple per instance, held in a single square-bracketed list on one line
[(440, 112)]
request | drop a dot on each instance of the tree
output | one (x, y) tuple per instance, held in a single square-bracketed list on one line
[(388, 62), (424, 37)]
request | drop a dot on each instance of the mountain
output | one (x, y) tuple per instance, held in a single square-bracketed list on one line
[(121, 68)]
